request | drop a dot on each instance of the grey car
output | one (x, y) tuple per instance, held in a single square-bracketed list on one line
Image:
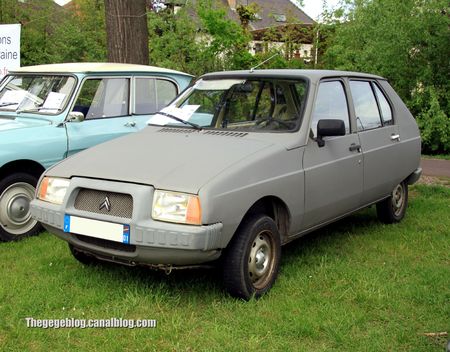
[(238, 165)]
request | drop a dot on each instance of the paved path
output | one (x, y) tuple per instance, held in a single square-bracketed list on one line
[(435, 167)]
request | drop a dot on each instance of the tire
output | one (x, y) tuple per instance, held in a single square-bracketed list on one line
[(393, 209), (82, 257), (16, 192), (252, 259)]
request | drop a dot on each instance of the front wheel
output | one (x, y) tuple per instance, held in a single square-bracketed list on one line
[(16, 192), (252, 259), (393, 209)]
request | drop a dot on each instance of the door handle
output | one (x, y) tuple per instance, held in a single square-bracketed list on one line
[(130, 124), (355, 147), (395, 137)]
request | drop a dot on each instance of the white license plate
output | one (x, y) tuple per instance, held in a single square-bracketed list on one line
[(98, 229)]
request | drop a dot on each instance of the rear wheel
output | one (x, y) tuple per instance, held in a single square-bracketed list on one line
[(393, 209), (252, 259), (16, 192)]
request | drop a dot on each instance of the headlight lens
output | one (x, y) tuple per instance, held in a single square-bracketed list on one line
[(53, 189), (176, 207)]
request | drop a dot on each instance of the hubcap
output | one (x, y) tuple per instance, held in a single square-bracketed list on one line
[(398, 199), (15, 216), (261, 259)]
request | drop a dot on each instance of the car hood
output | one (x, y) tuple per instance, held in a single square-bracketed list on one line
[(167, 158), (10, 123)]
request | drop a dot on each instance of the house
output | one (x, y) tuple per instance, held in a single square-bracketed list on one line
[(279, 24)]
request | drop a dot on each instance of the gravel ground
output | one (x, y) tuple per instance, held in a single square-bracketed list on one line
[(431, 180)]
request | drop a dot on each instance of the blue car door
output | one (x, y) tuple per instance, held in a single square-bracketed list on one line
[(105, 105)]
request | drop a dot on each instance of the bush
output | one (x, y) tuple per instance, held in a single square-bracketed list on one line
[(433, 121)]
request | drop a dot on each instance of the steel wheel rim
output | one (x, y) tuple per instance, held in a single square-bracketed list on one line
[(398, 199), (15, 215), (261, 259)]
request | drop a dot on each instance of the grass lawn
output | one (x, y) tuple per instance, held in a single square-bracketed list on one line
[(437, 156), (357, 285)]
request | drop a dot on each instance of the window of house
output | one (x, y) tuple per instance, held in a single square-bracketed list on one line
[(366, 108), (331, 103)]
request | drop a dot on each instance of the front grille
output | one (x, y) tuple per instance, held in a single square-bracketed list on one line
[(120, 204), (107, 244)]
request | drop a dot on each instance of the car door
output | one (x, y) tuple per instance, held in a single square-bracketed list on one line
[(334, 172), (379, 136), (105, 104)]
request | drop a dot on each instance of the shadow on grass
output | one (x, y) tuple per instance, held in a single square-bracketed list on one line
[(206, 283)]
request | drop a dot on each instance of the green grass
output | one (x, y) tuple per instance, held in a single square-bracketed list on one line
[(437, 156), (357, 285)]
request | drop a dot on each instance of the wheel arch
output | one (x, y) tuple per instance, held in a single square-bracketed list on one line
[(276, 209), (26, 166)]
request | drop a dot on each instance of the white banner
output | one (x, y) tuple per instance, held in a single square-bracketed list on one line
[(9, 48)]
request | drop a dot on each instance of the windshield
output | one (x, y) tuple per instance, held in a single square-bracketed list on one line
[(256, 104), (46, 94)]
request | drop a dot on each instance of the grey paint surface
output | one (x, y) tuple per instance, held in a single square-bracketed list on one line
[(231, 173)]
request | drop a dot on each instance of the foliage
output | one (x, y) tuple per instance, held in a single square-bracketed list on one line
[(407, 42), (82, 37), (197, 43), (51, 33), (433, 122)]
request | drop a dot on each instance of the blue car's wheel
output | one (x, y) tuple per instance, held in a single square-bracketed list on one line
[(16, 192)]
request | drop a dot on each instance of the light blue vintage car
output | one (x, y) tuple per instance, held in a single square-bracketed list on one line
[(50, 112)]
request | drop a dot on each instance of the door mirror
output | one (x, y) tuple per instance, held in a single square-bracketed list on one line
[(328, 128), (75, 116)]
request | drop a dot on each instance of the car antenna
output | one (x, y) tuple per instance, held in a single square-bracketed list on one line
[(262, 63)]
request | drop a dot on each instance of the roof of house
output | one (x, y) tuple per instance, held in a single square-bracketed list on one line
[(273, 13)]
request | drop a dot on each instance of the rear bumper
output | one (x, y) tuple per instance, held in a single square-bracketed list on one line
[(414, 177)]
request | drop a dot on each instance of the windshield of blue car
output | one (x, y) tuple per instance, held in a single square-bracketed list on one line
[(42, 94), (256, 104)]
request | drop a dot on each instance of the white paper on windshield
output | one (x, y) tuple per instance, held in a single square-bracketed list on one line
[(53, 102), (183, 113), (13, 97)]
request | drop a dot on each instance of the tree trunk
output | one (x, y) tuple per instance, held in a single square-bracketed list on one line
[(127, 31)]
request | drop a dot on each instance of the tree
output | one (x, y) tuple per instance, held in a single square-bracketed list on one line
[(127, 32), (408, 42)]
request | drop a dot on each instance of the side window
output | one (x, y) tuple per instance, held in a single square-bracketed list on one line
[(103, 97), (366, 109), (331, 103), (153, 94), (386, 111)]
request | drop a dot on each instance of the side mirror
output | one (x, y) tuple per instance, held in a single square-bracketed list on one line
[(328, 128), (75, 116)]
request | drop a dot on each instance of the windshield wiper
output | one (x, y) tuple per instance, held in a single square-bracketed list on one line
[(8, 104), (194, 125)]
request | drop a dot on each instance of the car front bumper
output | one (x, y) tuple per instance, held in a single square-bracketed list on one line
[(150, 242)]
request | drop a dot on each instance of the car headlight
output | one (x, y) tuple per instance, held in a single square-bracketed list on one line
[(53, 189), (176, 207)]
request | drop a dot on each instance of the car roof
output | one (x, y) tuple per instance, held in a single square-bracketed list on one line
[(313, 75), (89, 67)]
